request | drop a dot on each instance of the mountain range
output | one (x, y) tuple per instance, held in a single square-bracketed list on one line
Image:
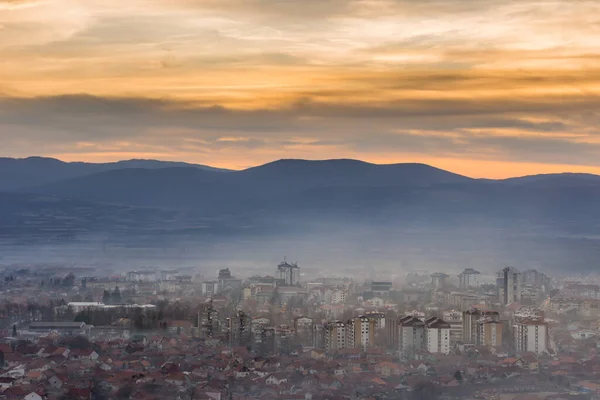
[(140, 200), (19, 173)]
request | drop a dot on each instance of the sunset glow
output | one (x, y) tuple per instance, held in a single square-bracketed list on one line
[(483, 88)]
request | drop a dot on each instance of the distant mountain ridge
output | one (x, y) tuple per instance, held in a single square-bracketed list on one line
[(210, 190), (19, 173), (175, 185), (412, 210), (568, 178)]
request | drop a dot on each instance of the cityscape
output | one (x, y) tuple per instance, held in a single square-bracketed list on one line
[(300, 200), (157, 334)]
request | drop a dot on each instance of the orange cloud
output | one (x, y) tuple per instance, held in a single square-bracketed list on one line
[(491, 83)]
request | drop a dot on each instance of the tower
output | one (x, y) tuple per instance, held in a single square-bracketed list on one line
[(438, 280), (469, 278), (208, 320), (512, 285), (289, 273), (239, 329)]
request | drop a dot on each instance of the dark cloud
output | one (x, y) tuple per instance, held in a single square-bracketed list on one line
[(448, 128)]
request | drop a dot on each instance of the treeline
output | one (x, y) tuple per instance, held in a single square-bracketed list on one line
[(139, 318), (132, 318), (112, 298), (31, 311), (67, 282)]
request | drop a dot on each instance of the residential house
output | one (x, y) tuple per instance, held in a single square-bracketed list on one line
[(276, 379), (84, 354), (33, 396)]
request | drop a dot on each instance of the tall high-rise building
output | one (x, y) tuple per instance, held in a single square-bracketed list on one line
[(336, 333), (318, 336), (531, 335), (391, 331), (469, 278), (338, 296), (438, 280), (263, 338), (284, 339), (210, 288), (437, 335), (489, 332), (411, 335), (227, 281), (536, 279), (512, 282), (471, 318), (455, 319), (500, 286), (364, 332), (208, 321), (289, 273), (239, 329), (304, 331)]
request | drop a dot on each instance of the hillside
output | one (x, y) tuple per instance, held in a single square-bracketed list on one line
[(340, 210), (19, 173), (214, 191)]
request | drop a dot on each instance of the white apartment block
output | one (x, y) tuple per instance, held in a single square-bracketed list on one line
[(411, 335), (531, 335), (437, 335), (455, 319), (469, 278), (338, 297)]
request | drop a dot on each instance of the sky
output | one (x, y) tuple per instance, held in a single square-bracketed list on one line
[(486, 88)]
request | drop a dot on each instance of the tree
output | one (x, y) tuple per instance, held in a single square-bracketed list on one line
[(116, 296), (69, 314), (14, 332), (89, 298), (458, 376), (69, 280), (275, 298), (106, 297), (425, 390), (78, 342), (124, 392), (2, 360)]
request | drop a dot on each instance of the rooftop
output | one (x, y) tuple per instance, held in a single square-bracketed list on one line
[(54, 324)]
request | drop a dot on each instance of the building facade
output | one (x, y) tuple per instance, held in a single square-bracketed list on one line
[(289, 273), (455, 320), (531, 335), (411, 335), (335, 333), (489, 333), (468, 279), (511, 282), (437, 333), (470, 323)]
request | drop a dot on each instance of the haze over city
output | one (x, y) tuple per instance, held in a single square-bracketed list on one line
[(299, 200)]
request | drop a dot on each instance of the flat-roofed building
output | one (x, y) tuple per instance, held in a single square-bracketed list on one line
[(73, 328)]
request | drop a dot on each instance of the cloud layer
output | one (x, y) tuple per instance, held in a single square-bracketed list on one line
[(490, 88)]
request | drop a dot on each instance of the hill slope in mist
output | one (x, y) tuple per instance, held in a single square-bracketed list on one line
[(343, 210)]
